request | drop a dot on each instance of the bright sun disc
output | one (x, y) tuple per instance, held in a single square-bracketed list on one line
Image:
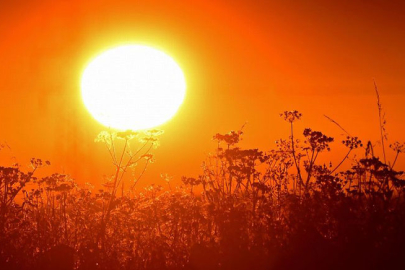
[(133, 87)]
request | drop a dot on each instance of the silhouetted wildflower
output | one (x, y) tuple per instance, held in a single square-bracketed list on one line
[(291, 116)]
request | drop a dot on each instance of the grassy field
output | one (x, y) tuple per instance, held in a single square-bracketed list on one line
[(285, 208)]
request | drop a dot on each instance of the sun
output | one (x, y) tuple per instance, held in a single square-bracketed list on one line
[(133, 87)]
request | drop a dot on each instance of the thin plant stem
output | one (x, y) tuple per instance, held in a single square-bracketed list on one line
[(341, 162), (381, 120), (293, 152), (336, 123)]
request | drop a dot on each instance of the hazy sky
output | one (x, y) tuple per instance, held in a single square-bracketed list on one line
[(243, 61)]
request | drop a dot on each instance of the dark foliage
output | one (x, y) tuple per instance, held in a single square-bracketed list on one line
[(249, 209)]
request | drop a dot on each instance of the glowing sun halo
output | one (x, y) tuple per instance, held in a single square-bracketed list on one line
[(133, 87)]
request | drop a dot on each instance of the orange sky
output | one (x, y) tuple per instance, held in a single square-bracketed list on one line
[(243, 61)]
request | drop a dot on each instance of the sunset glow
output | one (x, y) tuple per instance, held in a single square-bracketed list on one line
[(133, 87), (194, 135)]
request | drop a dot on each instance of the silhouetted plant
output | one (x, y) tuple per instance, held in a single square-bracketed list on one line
[(125, 159), (248, 209)]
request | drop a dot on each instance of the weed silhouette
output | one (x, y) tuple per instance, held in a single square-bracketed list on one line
[(284, 208)]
